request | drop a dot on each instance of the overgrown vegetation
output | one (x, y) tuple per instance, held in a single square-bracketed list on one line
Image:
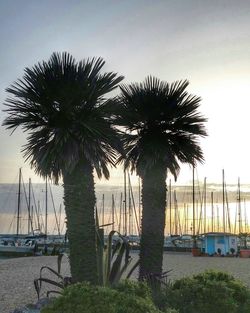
[(128, 297), (208, 292)]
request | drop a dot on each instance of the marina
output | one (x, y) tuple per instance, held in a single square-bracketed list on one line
[(191, 211), (124, 177)]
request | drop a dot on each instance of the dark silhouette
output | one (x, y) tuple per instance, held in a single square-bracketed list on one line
[(163, 127), (61, 105)]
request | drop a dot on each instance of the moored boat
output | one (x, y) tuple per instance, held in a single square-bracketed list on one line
[(12, 248)]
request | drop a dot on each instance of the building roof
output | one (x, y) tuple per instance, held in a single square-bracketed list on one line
[(217, 234)]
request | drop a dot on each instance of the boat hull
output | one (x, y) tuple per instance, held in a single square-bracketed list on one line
[(12, 251)]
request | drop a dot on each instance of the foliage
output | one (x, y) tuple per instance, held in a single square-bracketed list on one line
[(140, 289), (60, 282), (162, 128), (113, 258), (207, 292), (163, 123), (113, 263), (62, 106), (157, 283), (84, 298)]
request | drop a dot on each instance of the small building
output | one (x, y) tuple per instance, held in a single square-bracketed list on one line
[(219, 242)]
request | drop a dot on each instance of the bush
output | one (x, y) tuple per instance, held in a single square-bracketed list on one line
[(82, 298), (208, 292), (135, 288)]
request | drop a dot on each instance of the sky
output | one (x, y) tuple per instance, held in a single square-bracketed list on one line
[(206, 42)]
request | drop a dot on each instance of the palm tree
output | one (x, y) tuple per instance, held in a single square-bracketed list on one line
[(162, 130), (61, 105)]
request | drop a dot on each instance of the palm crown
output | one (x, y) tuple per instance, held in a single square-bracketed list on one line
[(163, 125), (61, 105)]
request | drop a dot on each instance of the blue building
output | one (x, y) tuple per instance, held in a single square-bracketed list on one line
[(219, 242)]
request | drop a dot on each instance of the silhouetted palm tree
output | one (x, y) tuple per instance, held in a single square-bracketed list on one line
[(162, 128), (61, 106)]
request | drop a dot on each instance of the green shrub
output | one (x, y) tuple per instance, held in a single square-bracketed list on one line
[(135, 288), (207, 292), (83, 298)]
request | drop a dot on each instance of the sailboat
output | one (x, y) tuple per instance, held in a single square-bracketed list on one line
[(16, 245), (10, 247)]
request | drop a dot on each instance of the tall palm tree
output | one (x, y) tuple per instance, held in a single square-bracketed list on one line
[(61, 105), (162, 126)]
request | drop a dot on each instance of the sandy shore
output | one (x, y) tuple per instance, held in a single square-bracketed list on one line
[(17, 275)]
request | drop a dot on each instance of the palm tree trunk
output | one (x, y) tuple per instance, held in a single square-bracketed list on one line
[(153, 223), (79, 200)]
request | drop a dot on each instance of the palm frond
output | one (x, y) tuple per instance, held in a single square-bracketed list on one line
[(61, 105), (162, 125)]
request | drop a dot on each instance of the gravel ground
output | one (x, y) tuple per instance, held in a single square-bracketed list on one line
[(17, 275)]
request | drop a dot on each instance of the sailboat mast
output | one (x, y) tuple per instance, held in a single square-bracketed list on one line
[(239, 212), (193, 207), (130, 217), (218, 219), (29, 209), (103, 209), (113, 212), (175, 214), (194, 215), (223, 200), (54, 208), (205, 203), (18, 202), (46, 206), (245, 215), (125, 203), (228, 213), (185, 219), (170, 208), (60, 215), (135, 223), (212, 208), (120, 214), (139, 203)]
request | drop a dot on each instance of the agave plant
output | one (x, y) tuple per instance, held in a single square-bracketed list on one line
[(113, 264), (61, 281), (113, 258)]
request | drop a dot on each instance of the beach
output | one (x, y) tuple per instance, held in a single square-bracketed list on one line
[(17, 275)]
